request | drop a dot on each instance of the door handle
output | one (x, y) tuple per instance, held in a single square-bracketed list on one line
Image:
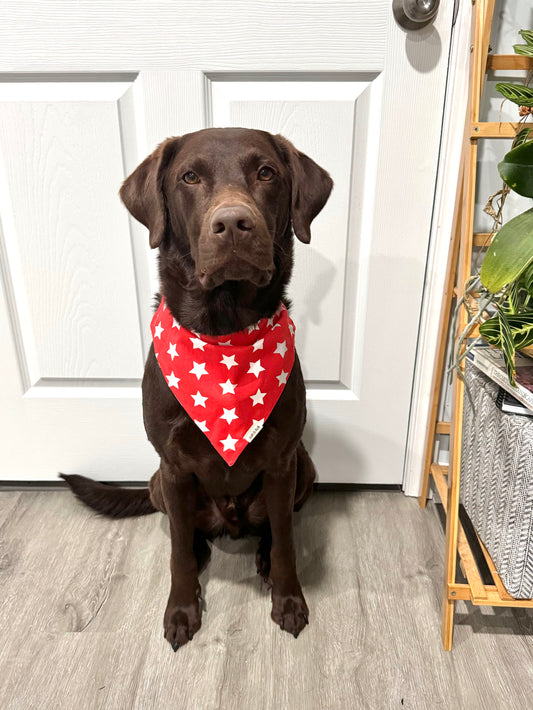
[(414, 14)]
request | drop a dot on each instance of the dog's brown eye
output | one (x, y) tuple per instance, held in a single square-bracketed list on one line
[(191, 178), (265, 173)]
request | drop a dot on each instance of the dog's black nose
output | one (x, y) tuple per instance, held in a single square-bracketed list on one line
[(233, 220)]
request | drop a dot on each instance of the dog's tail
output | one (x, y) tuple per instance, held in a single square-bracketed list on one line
[(110, 500)]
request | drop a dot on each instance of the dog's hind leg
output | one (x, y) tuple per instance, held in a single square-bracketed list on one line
[(262, 556), (305, 476)]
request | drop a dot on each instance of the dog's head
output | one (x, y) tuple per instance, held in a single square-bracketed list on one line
[(225, 197)]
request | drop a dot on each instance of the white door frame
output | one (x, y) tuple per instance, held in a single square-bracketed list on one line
[(441, 228)]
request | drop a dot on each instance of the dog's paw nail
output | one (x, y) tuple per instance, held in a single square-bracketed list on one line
[(165, 634), (306, 618), (295, 634), (175, 645)]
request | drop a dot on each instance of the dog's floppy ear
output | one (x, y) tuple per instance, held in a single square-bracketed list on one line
[(311, 186), (142, 191)]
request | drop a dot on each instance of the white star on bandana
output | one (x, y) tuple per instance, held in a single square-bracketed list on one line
[(228, 361), (256, 368), (281, 349), (198, 369), (258, 397), (199, 400), (172, 351), (197, 344), (282, 379), (229, 443), (229, 415), (228, 387), (172, 380)]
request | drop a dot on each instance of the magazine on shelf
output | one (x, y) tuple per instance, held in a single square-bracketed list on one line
[(490, 361)]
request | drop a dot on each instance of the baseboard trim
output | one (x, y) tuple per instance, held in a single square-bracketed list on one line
[(50, 485)]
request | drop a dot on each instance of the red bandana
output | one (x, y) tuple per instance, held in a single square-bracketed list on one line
[(228, 384)]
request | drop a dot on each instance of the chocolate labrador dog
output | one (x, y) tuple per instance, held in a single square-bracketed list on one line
[(221, 204)]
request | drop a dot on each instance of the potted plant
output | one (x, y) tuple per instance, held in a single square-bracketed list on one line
[(504, 286)]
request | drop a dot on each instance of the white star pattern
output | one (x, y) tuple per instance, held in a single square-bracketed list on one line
[(241, 375), (281, 349), (228, 443), (197, 344), (199, 399), (229, 415), (258, 397), (173, 380), (172, 351), (228, 361), (228, 387), (256, 368), (282, 379), (198, 369)]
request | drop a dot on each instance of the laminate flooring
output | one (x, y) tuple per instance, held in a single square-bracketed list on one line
[(82, 601)]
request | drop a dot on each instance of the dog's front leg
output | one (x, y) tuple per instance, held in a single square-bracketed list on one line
[(289, 608), (182, 616)]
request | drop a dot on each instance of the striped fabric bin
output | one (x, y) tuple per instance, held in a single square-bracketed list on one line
[(497, 482)]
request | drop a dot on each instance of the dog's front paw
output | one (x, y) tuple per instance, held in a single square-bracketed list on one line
[(290, 612), (181, 623)]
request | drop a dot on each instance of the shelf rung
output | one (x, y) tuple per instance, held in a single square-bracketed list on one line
[(442, 428), (514, 62), (481, 239), (495, 129)]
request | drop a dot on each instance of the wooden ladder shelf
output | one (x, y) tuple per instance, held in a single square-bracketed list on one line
[(447, 479)]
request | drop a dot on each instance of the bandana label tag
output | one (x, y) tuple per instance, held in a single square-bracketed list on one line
[(253, 431)]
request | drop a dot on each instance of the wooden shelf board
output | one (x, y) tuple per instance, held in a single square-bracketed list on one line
[(475, 591), (514, 62), (495, 129), (442, 428)]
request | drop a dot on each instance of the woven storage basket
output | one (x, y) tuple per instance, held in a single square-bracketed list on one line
[(497, 482)]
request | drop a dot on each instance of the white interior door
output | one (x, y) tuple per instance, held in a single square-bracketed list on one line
[(88, 90)]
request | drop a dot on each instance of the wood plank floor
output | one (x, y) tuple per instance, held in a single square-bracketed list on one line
[(82, 600)]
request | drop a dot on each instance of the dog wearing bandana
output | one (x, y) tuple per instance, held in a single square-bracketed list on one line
[(223, 391)]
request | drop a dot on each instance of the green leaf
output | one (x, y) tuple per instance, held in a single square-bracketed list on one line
[(527, 278), (527, 36), (521, 327), (509, 253), (497, 332), (516, 169), (517, 93), (526, 50), (508, 348), (521, 137)]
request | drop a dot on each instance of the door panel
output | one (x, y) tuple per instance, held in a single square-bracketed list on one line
[(364, 100)]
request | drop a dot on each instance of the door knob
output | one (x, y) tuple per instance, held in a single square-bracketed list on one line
[(414, 14)]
